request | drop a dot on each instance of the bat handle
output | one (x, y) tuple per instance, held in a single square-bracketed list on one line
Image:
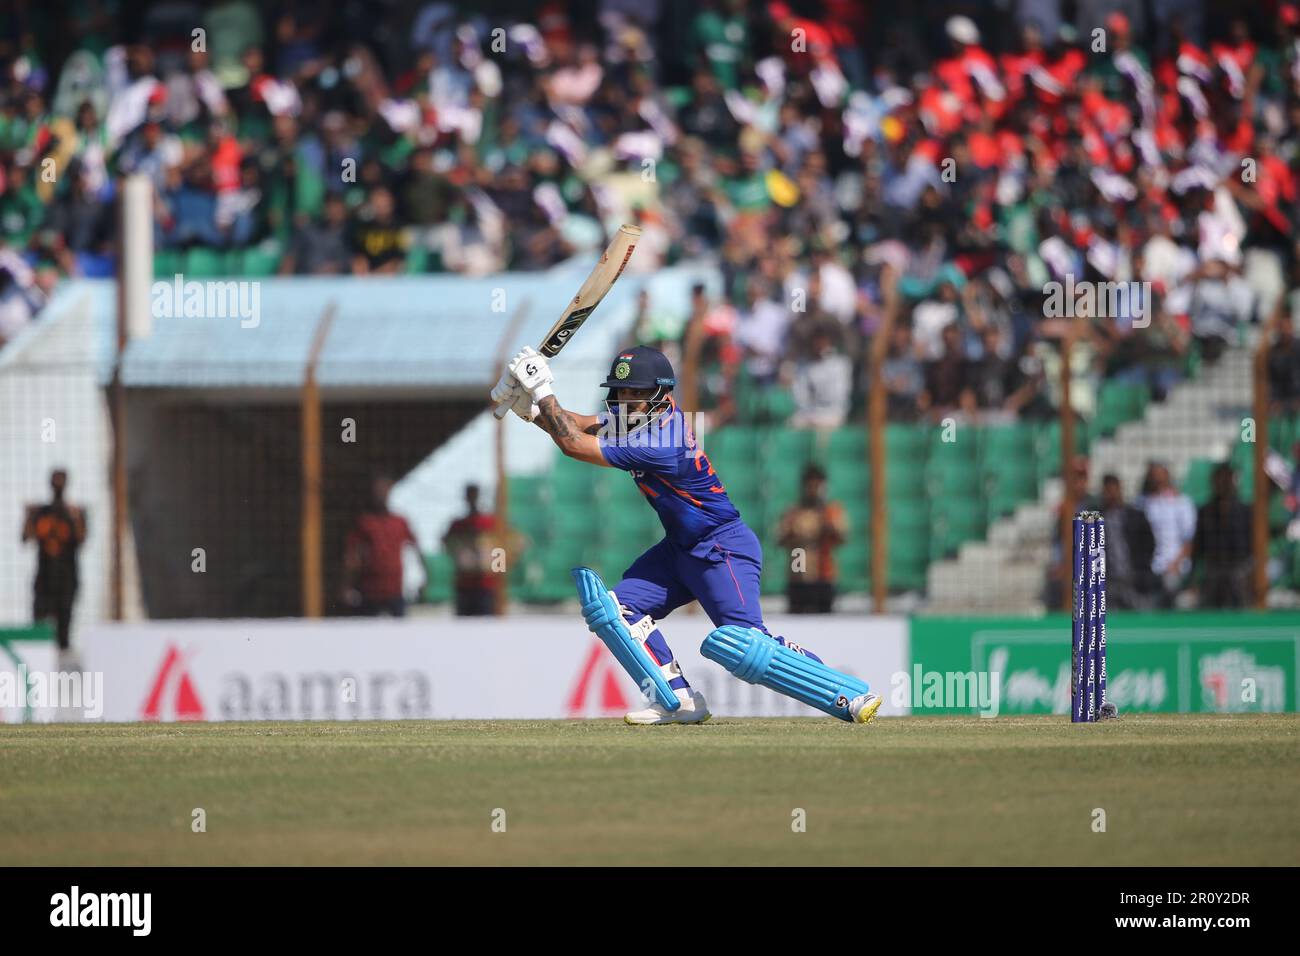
[(501, 411)]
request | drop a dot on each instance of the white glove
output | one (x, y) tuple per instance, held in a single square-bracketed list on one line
[(504, 387), (524, 406), (533, 373)]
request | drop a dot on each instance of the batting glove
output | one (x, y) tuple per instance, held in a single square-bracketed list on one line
[(505, 387), (533, 374)]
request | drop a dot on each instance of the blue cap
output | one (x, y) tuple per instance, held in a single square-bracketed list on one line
[(640, 367)]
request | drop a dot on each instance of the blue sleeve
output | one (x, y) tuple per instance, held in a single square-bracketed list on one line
[(633, 457), (637, 454)]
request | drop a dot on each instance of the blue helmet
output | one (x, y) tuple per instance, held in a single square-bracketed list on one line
[(641, 367)]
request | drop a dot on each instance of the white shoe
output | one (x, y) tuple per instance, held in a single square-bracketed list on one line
[(693, 710), (863, 709)]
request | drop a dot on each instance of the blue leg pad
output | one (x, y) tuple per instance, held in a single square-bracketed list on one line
[(603, 617), (754, 657)]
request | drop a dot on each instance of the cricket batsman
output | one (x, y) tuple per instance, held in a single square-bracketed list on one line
[(708, 553)]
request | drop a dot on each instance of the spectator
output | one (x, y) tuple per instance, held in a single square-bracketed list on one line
[(761, 331), (378, 241), (946, 388), (321, 248), (372, 561), (470, 540), (904, 376), (812, 529), (1173, 522), (58, 530), (1284, 368), (1220, 547), (1130, 549), (822, 386)]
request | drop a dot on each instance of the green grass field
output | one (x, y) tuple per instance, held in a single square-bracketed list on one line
[(1175, 789)]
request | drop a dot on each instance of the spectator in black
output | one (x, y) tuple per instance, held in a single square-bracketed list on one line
[(378, 240), (1221, 545), (59, 530), (1130, 547), (78, 217), (945, 378), (812, 529)]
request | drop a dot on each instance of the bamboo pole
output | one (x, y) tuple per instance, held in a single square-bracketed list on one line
[(877, 423), (501, 504), (1259, 506), (313, 537)]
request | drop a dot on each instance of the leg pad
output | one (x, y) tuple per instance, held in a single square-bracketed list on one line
[(752, 656), (605, 619)]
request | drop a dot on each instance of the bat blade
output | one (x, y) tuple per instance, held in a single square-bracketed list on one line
[(597, 285)]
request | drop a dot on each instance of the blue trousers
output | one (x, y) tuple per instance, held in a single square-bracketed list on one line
[(722, 573)]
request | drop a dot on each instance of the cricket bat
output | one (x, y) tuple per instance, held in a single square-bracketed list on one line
[(601, 280)]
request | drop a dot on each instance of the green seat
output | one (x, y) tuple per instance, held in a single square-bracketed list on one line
[(906, 443), (791, 444), (167, 263), (203, 263), (441, 571), (949, 479), (847, 444), (905, 478), (848, 482), (1011, 478), (857, 513), (955, 522), (573, 480), (909, 557), (779, 479), (1119, 403), (999, 505), (907, 518), (776, 570), (958, 453), (575, 519), (639, 525), (263, 260), (1196, 483), (528, 491), (1008, 441), (417, 260), (739, 479), (733, 442), (853, 562)]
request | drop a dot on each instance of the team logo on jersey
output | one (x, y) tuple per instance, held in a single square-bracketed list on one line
[(622, 370)]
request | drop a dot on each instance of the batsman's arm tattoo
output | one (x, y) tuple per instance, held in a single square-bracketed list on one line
[(569, 431)]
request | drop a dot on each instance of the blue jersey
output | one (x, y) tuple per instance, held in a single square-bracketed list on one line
[(674, 475)]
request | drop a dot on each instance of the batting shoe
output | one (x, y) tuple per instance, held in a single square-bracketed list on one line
[(863, 709), (693, 710)]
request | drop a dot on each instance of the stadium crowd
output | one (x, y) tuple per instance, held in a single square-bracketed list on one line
[(840, 160)]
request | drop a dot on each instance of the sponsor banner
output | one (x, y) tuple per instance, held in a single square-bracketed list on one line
[(478, 668), (1177, 662)]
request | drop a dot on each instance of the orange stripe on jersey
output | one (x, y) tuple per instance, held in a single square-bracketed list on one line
[(692, 500), (648, 490)]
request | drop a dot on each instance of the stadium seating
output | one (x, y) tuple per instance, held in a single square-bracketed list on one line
[(940, 495)]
